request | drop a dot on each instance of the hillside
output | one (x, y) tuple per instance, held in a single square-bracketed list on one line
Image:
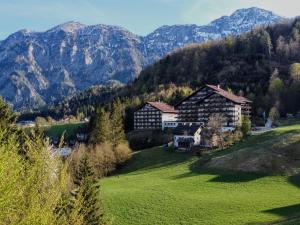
[(273, 152), (178, 190), (262, 65), (41, 67)]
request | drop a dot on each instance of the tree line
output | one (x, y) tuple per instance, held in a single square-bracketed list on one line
[(39, 187), (262, 65)]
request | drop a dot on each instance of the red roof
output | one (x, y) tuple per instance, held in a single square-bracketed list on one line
[(228, 95), (163, 107)]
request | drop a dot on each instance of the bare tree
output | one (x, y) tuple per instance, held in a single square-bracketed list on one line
[(215, 123)]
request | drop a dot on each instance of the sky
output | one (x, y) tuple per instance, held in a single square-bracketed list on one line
[(138, 16)]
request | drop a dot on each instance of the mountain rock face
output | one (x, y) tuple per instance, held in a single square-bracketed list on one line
[(39, 67)]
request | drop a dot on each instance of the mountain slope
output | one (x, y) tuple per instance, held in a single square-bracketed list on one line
[(39, 67), (256, 64), (168, 38)]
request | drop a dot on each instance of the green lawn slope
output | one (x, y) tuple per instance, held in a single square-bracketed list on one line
[(70, 129), (162, 187)]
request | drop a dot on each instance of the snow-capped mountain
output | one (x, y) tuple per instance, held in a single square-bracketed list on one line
[(39, 67), (168, 38)]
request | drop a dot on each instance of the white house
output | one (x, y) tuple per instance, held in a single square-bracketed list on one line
[(187, 136)]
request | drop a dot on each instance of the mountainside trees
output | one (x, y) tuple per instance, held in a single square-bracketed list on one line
[(32, 178), (35, 182), (262, 64)]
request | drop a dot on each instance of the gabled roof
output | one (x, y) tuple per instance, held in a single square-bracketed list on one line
[(163, 107), (228, 95), (220, 91), (186, 129)]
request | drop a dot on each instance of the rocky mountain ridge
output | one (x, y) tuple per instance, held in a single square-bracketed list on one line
[(40, 67)]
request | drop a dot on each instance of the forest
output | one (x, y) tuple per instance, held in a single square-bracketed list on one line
[(262, 65)]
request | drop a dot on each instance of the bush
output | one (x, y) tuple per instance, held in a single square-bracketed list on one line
[(142, 139), (246, 125), (274, 114), (104, 158), (122, 153)]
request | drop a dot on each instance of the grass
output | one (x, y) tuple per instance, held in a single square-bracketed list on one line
[(71, 129), (160, 187)]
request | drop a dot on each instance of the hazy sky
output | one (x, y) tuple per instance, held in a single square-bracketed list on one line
[(139, 16)]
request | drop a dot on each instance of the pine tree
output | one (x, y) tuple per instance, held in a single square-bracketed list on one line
[(100, 127), (86, 195), (84, 171), (117, 130), (6, 115)]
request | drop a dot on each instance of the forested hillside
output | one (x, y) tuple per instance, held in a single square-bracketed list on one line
[(39, 68), (262, 65)]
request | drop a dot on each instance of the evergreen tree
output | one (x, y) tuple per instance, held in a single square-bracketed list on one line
[(276, 86), (86, 195), (117, 126), (84, 171), (100, 127), (6, 115)]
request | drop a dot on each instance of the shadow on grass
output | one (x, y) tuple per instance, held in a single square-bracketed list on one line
[(227, 176), (198, 168), (154, 158), (224, 176), (286, 211), (295, 180), (237, 177)]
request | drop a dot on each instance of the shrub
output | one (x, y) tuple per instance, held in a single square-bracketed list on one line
[(246, 125), (142, 139), (122, 153), (104, 157), (274, 114)]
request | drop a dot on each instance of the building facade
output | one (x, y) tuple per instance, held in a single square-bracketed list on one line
[(210, 99), (153, 115), (187, 136)]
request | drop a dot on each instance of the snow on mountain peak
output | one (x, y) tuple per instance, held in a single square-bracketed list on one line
[(68, 27), (72, 56)]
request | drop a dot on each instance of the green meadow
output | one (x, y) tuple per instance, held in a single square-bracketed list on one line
[(160, 187)]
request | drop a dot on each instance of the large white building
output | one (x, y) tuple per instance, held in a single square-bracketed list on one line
[(210, 99), (154, 115)]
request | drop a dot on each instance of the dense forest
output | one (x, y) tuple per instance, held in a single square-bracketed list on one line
[(262, 65)]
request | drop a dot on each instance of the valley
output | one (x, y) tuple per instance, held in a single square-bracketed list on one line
[(158, 186), (184, 125)]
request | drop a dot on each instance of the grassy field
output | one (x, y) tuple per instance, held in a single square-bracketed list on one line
[(71, 129), (162, 187)]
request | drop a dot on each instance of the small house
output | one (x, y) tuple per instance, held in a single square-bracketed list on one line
[(187, 136)]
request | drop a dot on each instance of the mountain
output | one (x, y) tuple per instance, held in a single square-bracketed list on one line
[(262, 65), (37, 68), (168, 38)]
